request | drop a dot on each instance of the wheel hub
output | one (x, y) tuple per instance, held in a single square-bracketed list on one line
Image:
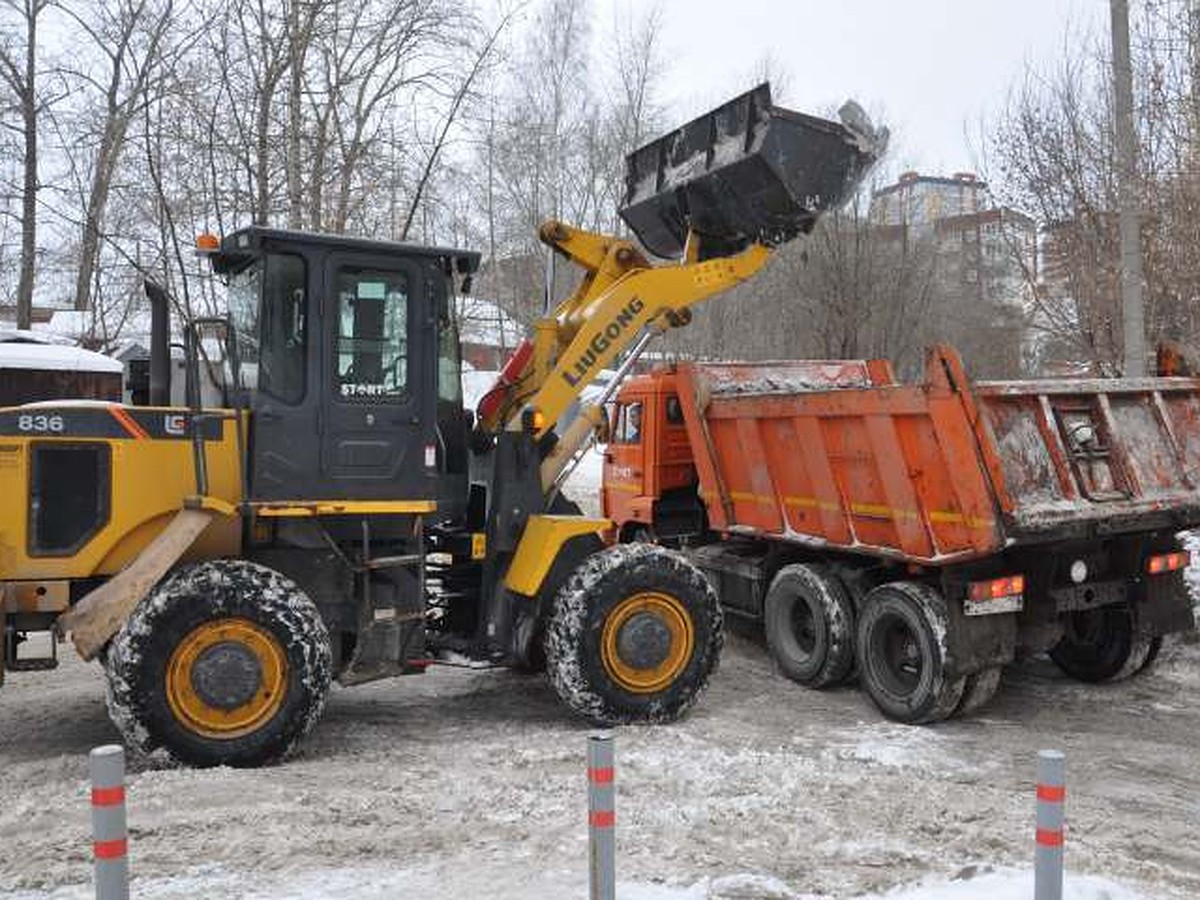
[(226, 675), (647, 642), (900, 655), (226, 678), (644, 641)]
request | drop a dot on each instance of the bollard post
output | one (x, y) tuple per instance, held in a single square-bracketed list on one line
[(109, 836), (601, 818), (1051, 794)]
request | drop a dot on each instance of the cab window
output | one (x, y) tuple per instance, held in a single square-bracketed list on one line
[(674, 411), (629, 424), (371, 354), (268, 306)]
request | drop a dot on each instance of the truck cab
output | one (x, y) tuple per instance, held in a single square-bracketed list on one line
[(650, 482)]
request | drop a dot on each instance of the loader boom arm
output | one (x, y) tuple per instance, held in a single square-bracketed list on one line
[(619, 296)]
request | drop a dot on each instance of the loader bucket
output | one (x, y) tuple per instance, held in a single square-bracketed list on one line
[(747, 171)]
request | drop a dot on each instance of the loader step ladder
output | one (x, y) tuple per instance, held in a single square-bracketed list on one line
[(389, 623)]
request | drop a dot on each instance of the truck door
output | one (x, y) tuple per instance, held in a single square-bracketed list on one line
[(378, 405), (624, 463)]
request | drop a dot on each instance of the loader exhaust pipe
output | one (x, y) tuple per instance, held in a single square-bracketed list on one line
[(160, 344)]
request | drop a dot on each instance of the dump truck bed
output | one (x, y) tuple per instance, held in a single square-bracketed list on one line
[(839, 455)]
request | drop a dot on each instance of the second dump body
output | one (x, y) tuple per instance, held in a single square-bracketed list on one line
[(1074, 488)]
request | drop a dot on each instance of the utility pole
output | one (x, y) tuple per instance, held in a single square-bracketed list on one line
[(1132, 317)]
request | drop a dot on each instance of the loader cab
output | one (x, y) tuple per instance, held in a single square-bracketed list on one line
[(649, 478), (349, 362)]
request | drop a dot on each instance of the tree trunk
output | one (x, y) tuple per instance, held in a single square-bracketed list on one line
[(30, 187)]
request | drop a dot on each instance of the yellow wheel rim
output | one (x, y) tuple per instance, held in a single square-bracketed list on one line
[(226, 678), (646, 642)]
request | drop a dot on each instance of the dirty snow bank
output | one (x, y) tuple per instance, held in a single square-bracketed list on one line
[(376, 883)]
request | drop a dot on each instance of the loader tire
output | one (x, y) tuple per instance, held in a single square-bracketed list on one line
[(809, 625), (902, 653), (980, 688), (633, 636), (1104, 644), (224, 663)]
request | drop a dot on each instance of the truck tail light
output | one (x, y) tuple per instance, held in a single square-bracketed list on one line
[(1009, 586), (1168, 562)]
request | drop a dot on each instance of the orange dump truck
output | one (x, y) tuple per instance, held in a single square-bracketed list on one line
[(921, 534)]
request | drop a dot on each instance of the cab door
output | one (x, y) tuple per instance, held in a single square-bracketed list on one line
[(625, 463), (272, 307), (378, 416)]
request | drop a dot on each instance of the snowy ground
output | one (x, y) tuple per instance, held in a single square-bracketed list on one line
[(460, 784), (470, 784)]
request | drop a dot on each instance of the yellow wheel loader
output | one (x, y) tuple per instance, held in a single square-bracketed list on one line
[(322, 507)]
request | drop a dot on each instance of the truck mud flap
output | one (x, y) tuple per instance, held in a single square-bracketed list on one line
[(102, 612)]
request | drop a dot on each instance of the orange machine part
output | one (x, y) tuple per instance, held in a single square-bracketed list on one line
[(836, 454)]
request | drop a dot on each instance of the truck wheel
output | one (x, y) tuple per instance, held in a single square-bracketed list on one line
[(1103, 644), (902, 653), (980, 688), (223, 663), (809, 625), (1152, 654), (633, 636)]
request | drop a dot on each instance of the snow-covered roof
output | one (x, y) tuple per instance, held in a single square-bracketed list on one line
[(54, 357), (485, 322), (24, 336)]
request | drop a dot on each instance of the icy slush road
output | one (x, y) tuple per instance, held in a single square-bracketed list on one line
[(470, 784)]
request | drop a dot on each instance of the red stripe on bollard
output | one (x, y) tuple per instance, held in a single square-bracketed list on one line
[(602, 818), (600, 776), (1048, 838), (1051, 793), (110, 849), (109, 796)]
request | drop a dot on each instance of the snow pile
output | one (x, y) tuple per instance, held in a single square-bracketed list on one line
[(476, 383), (1008, 884), (898, 747), (378, 883)]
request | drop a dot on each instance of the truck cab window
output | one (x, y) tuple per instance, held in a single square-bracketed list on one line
[(674, 411), (629, 424), (371, 354)]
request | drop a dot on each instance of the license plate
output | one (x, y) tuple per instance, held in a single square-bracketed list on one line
[(989, 607)]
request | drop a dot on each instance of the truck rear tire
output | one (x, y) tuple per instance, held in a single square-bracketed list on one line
[(902, 653), (980, 688), (223, 663), (1104, 644), (633, 636), (809, 625)]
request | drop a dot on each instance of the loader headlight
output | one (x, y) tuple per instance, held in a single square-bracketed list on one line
[(533, 419), (1079, 571)]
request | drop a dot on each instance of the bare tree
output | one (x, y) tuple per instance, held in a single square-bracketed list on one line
[(18, 72), (129, 34)]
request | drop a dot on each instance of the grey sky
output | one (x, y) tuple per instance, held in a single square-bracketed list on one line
[(930, 66)]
